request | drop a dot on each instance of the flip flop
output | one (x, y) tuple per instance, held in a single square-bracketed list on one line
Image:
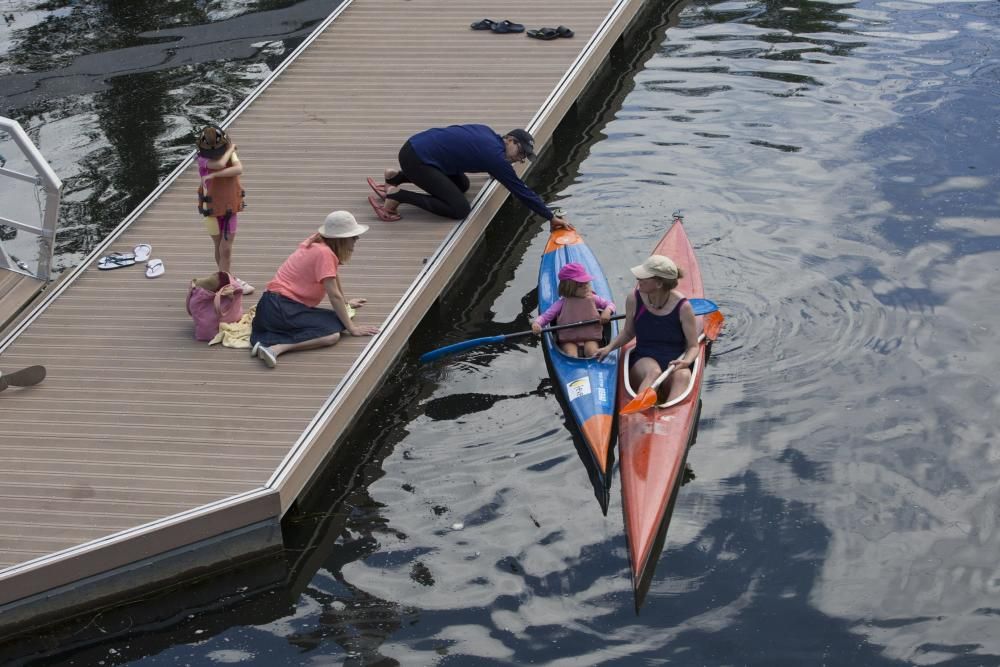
[(154, 268), (116, 261), (485, 24), (383, 215), (142, 252), (563, 31), (378, 189), (506, 26), (543, 33)]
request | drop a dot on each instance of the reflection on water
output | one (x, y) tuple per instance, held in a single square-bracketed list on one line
[(111, 91), (836, 162)]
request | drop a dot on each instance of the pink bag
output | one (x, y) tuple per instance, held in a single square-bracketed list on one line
[(207, 306)]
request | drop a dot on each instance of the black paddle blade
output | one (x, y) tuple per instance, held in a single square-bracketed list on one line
[(23, 378)]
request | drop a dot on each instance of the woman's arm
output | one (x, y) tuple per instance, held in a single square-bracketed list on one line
[(690, 327), (336, 296), (353, 303), (627, 332)]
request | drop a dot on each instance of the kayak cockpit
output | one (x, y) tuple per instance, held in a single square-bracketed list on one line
[(695, 368)]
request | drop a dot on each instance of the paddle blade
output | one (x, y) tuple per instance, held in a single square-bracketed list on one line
[(713, 324), (643, 401), (459, 347), (703, 306)]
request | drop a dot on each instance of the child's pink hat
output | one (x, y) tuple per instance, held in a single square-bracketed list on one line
[(574, 271)]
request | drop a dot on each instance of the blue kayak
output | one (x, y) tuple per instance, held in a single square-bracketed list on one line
[(588, 386)]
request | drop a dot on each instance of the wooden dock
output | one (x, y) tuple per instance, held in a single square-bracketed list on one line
[(144, 453)]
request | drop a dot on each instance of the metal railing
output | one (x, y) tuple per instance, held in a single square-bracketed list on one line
[(44, 177)]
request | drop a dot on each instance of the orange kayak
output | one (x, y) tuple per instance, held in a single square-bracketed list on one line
[(653, 443)]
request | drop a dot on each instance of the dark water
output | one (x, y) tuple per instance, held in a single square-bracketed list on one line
[(837, 163)]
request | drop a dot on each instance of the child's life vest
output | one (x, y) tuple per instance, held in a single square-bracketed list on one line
[(225, 196), (577, 309)]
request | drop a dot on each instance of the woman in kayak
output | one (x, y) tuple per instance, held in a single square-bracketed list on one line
[(577, 302), (662, 322), (288, 315)]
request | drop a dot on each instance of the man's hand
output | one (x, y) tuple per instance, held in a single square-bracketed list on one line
[(559, 222)]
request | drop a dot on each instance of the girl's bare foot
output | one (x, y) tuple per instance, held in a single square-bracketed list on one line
[(389, 173)]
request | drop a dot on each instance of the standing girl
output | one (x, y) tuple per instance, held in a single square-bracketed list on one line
[(662, 322), (220, 196), (577, 302)]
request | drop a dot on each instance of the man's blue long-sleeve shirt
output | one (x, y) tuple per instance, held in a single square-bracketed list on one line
[(463, 149)]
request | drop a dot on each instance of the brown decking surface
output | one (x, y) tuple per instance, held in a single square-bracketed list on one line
[(16, 289), (136, 421)]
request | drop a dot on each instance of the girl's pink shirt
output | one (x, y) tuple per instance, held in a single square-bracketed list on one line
[(301, 276), (553, 311)]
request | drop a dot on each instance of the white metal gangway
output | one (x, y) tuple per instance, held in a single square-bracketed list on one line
[(45, 229)]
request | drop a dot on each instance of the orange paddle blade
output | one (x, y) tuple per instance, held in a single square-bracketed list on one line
[(643, 401), (713, 324)]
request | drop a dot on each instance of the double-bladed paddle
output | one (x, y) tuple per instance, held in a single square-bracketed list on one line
[(22, 378), (647, 399), (700, 307)]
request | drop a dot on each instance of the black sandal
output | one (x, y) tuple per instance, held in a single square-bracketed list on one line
[(543, 33), (506, 26), (485, 24)]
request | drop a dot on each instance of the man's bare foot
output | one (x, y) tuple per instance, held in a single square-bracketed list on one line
[(390, 204)]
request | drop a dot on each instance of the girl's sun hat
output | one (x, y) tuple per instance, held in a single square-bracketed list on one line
[(574, 271), (212, 142), (341, 225)]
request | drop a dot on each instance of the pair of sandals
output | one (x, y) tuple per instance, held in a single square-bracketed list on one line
[(117, 260), (505, 27), (501, 27), (377, 202), (141, 253), (550, 33)]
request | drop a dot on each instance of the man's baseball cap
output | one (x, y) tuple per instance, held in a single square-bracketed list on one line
[(525, 141)]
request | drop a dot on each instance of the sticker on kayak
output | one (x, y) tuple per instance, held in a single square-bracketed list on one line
[(578, 388)]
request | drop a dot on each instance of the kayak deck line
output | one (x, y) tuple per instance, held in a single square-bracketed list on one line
[(124, 426)]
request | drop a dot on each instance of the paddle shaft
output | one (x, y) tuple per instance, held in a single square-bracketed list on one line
[(700, 306)]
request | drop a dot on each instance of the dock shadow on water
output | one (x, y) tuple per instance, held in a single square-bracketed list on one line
[(844, 511)]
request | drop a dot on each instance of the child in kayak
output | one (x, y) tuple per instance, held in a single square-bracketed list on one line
[(220, 196), (577, 303)]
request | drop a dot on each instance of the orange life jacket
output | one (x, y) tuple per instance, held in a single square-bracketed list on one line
[(225, 196)]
